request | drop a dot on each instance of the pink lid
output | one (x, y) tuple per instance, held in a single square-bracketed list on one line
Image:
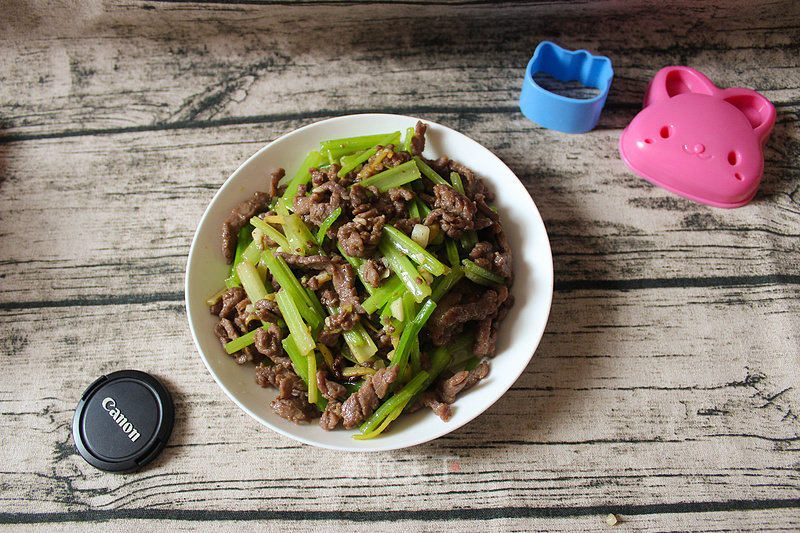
[(699, 141)]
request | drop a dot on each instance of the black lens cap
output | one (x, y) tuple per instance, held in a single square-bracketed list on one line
[(123, 421)]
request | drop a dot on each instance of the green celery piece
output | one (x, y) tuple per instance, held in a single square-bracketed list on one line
[(392, 138), (413, 356), (393, 177), (313, 159), (472, 363), (309, 307), (455, 179), (452, 252), (440, 359), (403, 267), (480, 275), (407, 141), (402, 352), (361, 345), (388, 292), (297, 327), (468, 241), (429, 172), (245, 237), (300, 364), (407, 246), (252, 253), (244, 341), (251, 281), (361, 142), (271, 232), (313, 391), (443, 285), (399, 398), (413, 209), (301, 242), (460, 351), (327, 223), (424, 210)]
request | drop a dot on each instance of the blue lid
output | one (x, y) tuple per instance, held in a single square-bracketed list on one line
[(557, 112), (123, 421)]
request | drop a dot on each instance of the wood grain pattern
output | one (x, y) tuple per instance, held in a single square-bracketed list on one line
[(665, 389)]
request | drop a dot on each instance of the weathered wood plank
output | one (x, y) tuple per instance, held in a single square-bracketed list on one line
[(665, 388), (611, 417), (180, 65)]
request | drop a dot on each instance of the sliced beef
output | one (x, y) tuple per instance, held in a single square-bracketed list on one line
[(267, 311), (455, 310), (363, 402), (295, 409), (450, 387), (374, 272), (454, 212), (238, 219), (230, 298), (268, 343), (329, 389), (283, 378), (418, 139), (311, 262), (331, 416), (344, 282)]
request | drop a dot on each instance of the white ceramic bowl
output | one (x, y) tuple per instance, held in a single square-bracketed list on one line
[(519, 335)]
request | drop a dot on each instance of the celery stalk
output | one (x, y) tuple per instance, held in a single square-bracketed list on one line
[(313, 391), (327, 223), (271, 232), (251, 281), (429, 172), (302, 176), (393, 177), (480, 275), (402, 266), (366, 154), (241, 245), (308, 305), (383, 294), (411, 332), (300, 364), (297, 327), (244, 341), (362, 142), (409, 247), (445, 284), (398, 399), (407, 141)]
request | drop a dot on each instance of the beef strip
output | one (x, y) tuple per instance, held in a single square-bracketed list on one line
[(374, 272), (330, 390), (448, 319), (295, 409), (418, 139), (230, 298), (331, 416), (363, 402), (461, 381), (238, 219), (429, 399), (454, 212), (267, 311), (276, 375), (268, 343)]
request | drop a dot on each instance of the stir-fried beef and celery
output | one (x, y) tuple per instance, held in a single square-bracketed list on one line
[(369, 284)]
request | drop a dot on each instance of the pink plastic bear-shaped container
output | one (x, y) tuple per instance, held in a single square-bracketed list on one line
[(699, 141)]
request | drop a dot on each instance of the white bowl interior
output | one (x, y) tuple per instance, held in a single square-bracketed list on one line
[(519, 334)]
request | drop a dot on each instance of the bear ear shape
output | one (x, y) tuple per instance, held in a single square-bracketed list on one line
[(673, 81), (758, 110)]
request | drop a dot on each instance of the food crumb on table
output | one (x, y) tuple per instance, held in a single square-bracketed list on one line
[(612, 519)]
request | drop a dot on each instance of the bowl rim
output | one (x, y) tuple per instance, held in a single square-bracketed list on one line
[(545, 291)]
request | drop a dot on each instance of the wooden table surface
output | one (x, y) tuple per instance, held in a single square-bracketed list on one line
[(665, 389)]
